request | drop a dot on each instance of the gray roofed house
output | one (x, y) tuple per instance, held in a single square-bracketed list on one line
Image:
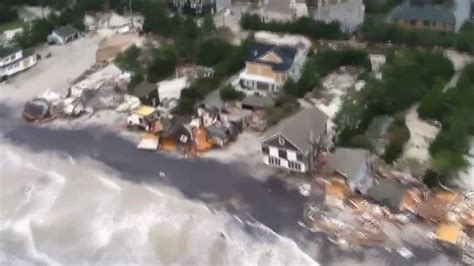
[(63, 35), (256, 102), (352, 164), (283, 9), (429, 16), (7, 51), (349, 13), (388, 193), (298, 127), (294, 142)]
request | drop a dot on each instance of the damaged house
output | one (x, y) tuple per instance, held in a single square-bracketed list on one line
[(352, 165), (294, 142), (268, 66)]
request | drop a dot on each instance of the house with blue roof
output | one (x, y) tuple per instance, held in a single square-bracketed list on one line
[(269, 66)]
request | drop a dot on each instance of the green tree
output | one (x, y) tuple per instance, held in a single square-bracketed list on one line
[(212, 51), (129, 59), (7, 14), (163, 63), (208, 25), (228, 93)]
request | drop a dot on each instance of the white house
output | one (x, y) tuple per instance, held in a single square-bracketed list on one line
[(63, 35), (294, 142), (14, 60)]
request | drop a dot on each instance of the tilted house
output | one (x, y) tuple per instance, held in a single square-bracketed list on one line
[(424, 17), (294, 142), (268, 66), (14, 60), (353, 165), (63, 35), (388, 193)]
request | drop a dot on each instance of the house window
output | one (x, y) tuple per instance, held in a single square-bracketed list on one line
[(12, 57), (281, 141), (294, 165), (274, 160), (282, 154), (183, 138), (265, 150)]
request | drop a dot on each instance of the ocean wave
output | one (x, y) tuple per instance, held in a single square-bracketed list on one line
[(63, 210)]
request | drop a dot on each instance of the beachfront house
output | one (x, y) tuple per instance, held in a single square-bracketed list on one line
[(268, 66), (349, 13), (63, 35), (425, 16), (14, 60), (295, 141)]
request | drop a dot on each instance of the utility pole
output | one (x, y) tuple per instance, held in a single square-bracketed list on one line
[(131, 12)]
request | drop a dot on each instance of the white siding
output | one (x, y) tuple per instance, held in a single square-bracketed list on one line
[(291, 155), (273, 151)]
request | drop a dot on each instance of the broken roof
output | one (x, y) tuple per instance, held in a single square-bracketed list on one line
[(387, 192), (449, 233), (258, 101), (6, 51), (299, 127), (144, 89), (65, 31), (348, 161), (285, 53), (337, 188), (425, 13)]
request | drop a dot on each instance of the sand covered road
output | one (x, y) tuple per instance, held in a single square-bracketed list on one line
[(55, 73)]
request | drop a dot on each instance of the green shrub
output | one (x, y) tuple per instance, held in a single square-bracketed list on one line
[(228, 93)]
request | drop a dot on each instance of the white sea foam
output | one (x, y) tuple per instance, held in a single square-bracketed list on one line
[(79, 213)]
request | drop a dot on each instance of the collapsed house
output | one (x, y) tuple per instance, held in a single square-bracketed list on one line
[(353, 165), (147, 93)]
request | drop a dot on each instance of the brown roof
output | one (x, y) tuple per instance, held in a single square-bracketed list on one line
[(411, 200), (437, 205), (337, 188)]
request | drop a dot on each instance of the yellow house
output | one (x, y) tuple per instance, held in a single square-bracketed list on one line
[(268, 66)]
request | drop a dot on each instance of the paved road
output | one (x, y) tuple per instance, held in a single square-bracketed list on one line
[(269, 203)]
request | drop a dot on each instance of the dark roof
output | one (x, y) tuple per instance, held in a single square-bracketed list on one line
[(6, 51), (66, 31), (258, 101), (348, 161), (297, 128), (144, 89), (426, 13), (286, 53), (387, 192)]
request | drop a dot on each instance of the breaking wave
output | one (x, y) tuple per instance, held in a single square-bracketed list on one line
[(57, 210)]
